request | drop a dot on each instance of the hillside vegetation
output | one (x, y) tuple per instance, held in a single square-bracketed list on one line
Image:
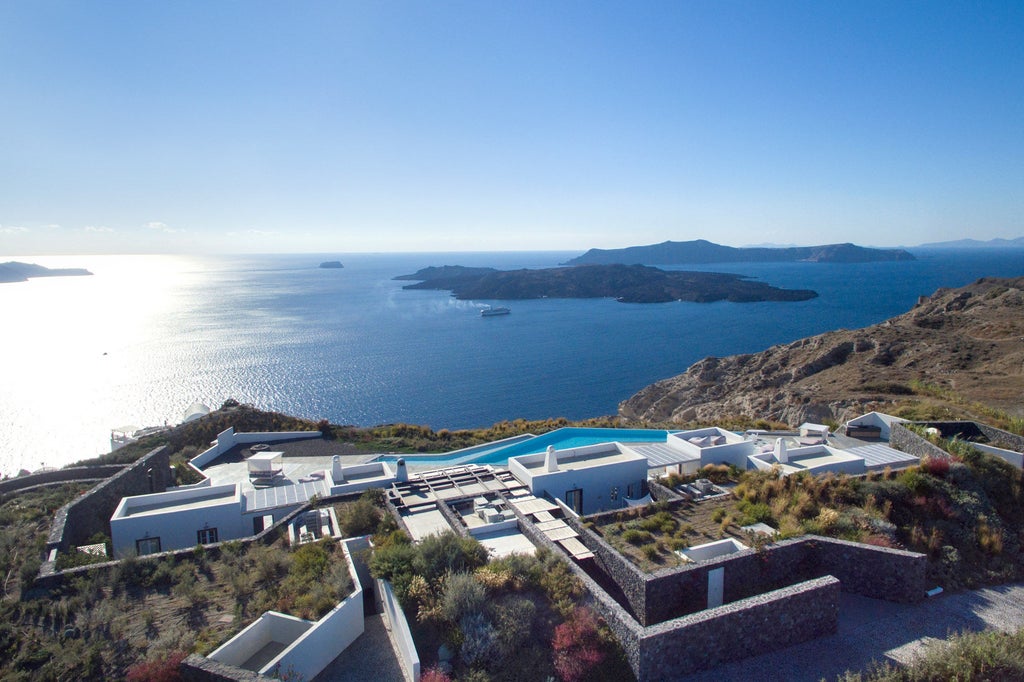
[(958, 353)]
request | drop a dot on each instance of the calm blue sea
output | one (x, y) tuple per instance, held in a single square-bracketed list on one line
[(146, 336)]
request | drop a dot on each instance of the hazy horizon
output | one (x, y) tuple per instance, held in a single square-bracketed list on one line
[(206, 128)]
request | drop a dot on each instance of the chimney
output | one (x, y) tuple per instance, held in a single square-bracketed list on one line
[(337, 472), (780, 451), (550, 459), (401, 473)]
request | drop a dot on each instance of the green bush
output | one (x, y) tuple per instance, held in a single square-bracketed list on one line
[(637, 537), (360, 517), (448, 552)]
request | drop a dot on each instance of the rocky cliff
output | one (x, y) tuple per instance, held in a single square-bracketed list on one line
[(969, 340)]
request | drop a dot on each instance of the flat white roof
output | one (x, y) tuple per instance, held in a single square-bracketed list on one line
[(582, 458), (163, 503), (662, 454), (878, 456), (265, 457)]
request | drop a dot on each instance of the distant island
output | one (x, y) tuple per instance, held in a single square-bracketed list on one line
[(625, 283), (13, 271), (1017, 243), (332, 265), (703, 251)]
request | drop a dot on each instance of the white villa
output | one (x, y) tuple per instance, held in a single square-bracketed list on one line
[(264, 487), (587, 479)]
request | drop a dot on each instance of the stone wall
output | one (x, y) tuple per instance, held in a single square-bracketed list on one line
[(653, 598), (995, 436), (663, 493), (198, 668), (457, 526), (630, 579), (749, 627), (877, 572), (757, 624), (902, 438), (77, 521), (680, 591), (92, 473)]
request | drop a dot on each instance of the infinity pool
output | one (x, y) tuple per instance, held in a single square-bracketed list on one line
[(562, 439)]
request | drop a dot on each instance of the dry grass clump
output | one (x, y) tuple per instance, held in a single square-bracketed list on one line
[(988, 655)]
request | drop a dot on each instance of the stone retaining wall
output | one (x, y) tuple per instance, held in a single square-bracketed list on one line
[(995, 436), (902, 438), (877, 572), (100, 471), (765, 622), (749, 627), (653, 598), (77, 521), (663, 493)]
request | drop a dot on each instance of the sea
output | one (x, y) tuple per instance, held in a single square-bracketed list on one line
[(145, 337)]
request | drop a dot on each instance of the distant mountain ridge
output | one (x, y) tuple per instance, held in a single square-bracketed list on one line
[(1017, 243), (14, 271), (703, 251)]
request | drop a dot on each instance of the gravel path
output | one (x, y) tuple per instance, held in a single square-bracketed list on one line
[(370, 657), (874, 630)]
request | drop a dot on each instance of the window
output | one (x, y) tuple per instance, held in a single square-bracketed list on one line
[(147, 546), (574, 498), (206, 536)]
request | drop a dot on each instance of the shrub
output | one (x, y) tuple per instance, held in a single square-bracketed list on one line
[(558, 582), (360, 517), (935, 466), (310, 561), (478, 638), (394, 562), (577, 646), (434, 675), (159, 669), (462, 596), (513, 619), (448, 552)]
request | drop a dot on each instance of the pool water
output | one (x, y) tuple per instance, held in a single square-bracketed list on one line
[(562, 439)]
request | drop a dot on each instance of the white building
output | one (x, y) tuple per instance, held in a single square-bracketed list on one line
[(872, 425), (587, 479), (813, 459), (712, 446), (147, 524)]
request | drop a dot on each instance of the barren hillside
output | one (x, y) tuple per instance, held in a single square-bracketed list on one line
[(969, 340)]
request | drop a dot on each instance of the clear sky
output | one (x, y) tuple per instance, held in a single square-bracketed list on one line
[(203, 126)]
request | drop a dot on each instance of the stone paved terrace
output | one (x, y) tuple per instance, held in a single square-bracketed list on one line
[(874, 630)]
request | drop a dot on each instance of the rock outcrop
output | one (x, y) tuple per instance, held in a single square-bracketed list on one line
[(970, 340)]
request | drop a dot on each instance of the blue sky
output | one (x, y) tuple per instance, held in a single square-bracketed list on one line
[(200, 127)]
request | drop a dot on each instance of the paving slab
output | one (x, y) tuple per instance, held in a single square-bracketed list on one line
[(874, 630)]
